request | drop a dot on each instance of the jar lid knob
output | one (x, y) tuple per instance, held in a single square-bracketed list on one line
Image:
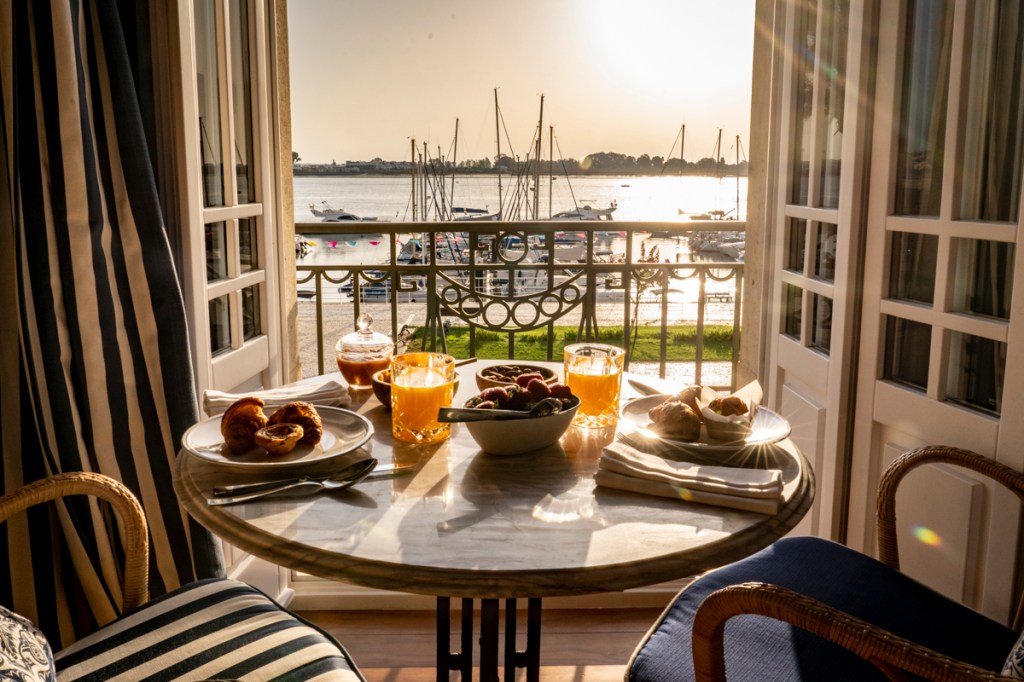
[(364, 323)]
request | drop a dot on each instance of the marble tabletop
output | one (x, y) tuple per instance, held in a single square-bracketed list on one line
[(470, 524)]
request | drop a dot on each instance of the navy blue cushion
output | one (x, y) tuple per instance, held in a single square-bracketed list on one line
[(759, 648)]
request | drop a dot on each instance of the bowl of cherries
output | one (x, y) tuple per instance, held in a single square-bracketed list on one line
[(523, 432)]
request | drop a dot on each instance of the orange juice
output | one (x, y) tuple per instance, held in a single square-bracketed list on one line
[(594, 373), (598, 393), (421, 383)]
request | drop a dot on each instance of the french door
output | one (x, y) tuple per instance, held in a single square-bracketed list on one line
[(939, 362), (234, 242), (232, 246), (815, 251)]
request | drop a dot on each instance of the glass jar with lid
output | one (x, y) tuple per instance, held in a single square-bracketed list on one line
[(363, 352)]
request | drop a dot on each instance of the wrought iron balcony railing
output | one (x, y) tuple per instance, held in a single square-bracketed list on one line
[(664, 291)]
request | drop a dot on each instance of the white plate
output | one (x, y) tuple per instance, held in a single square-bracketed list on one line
[(344, 431), (767, 427)]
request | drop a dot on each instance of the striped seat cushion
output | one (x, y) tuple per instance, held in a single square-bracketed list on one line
[(211, 629)]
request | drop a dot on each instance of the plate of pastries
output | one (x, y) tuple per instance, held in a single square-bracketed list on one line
[(249, 434), (699, 417)]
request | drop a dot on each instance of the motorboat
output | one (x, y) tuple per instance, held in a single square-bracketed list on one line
[(329, 214), (587, 212)]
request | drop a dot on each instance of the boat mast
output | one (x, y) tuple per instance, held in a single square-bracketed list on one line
[(718, 154), (423, 181), (737, 176), (455, 163), (682, 143), (498, 159), (536, 171), (551, 167), (413, 166)]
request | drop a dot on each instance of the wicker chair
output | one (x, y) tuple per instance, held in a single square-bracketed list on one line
[(211, 629), (811, 609)]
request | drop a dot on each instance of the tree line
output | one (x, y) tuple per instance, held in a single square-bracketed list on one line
[(600, 163)]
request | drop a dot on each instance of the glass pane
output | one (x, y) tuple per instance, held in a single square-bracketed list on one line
[(907, 350), (825, 253), (976, 370), (993, 126), (912, 266), (984, 277), (247, 254), (796, 237), (208, 92), (241, 95), (821, 323), (793, 303), (220, 325), (251, 326), (804, 77), (923, 110), (833, 66), (216, 251)]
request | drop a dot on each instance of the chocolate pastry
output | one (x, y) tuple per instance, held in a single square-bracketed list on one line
[(303, 414)]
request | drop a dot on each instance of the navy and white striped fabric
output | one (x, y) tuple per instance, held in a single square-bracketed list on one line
[(103, 381), (211, 629)]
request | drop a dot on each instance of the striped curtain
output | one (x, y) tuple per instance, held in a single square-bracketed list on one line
[(103, 375)]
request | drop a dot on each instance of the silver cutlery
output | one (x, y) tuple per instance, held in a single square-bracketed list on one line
[(648, 389), (474, 414), (343, 479), (381, 471)]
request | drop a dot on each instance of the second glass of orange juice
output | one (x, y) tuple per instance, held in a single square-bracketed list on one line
[(421, 383), (594, 373)]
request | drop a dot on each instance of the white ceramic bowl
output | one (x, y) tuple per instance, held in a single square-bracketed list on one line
[(518, 436)]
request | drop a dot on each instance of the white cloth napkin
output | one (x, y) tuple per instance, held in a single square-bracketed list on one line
[(626, 468), (329, 393)]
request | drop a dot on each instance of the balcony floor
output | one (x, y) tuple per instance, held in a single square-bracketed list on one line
[(591, 645)]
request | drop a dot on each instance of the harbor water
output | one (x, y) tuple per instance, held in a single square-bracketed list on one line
[(662, 199)]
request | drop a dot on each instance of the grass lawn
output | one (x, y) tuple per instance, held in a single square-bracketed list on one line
[(682, 343)]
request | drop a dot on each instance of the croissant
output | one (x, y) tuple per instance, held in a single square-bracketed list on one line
[(240, 423), (674, 419), (303, 414), (688, 396)]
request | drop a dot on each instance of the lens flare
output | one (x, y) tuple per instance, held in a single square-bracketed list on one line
[(927, 536)]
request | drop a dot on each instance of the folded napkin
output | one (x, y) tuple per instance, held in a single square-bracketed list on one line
[(327, 393), (626, 468)]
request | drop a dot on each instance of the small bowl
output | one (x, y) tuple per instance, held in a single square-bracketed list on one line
[(381, 382), (519, 436), (485, 378)]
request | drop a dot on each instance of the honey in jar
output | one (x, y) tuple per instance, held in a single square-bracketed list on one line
[(363, 352)]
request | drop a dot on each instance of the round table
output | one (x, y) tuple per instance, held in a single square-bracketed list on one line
[(473, 525)]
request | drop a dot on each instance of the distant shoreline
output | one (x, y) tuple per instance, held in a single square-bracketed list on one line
[(729, 172)]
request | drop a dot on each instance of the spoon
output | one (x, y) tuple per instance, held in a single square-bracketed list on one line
[(341, 480), (472, 414)]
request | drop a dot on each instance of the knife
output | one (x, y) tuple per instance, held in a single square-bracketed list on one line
[(648, 389), (381, 471)]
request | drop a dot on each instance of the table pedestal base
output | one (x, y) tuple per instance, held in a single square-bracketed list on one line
[(462, 661)]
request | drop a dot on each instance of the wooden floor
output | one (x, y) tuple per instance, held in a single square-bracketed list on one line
[(579, 645)]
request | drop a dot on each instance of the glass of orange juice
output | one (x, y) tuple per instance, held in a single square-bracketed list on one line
[(420, 384), (594, 373)]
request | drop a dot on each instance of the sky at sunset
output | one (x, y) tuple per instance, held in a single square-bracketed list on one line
[(617, 76)]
